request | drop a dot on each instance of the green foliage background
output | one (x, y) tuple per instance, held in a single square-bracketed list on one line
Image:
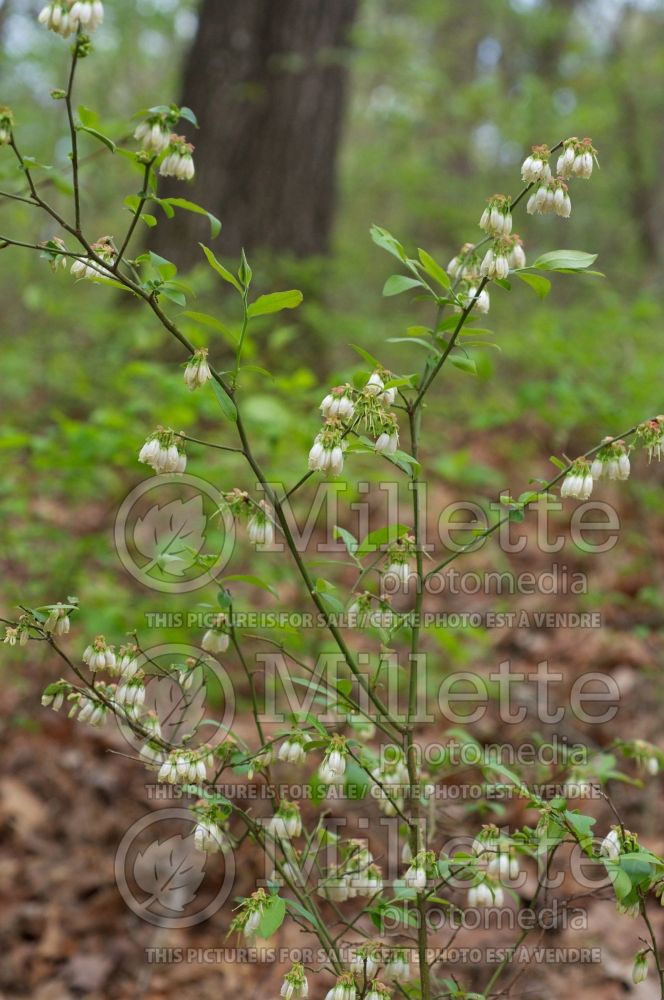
[(446, 99)]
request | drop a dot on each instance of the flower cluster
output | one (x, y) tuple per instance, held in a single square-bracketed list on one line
[(154, 133), (344, 988), (397, 559), (54, 694), (99, 656), (210, 834), (186, 766), (611, 462), (164, 451), (65, 17), (293, 749), (179, 160), (355, 875), (286, 822), (550, 198), (252, 911), (651, 436), (551, 195), (420, 868), (295, 985), (577, 158), (58, 619), (496, 218), (344, 408), (366, 959), (197, 371), (361, 613), (578, 482), (87, 267)]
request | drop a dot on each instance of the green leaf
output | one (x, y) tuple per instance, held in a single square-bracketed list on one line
[(434, 270), (541, 286), (399, 283), (558, 464), (369, 358), (211, 321), (173, 293), (255, 581), (565, 260), (414, 340), (189, 116), (463, 364), (273, 917), (381, 536), (275, 302), (100, 136), (350, 541), (87, 116), (191, 206), (221, 270), (225, 402), (384, 239)]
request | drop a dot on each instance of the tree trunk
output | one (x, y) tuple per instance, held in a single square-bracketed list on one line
[(267, 81)]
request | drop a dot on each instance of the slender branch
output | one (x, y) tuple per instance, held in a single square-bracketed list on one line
[(73, 134)]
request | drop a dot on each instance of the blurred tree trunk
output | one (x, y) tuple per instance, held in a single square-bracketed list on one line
[(268, 83)]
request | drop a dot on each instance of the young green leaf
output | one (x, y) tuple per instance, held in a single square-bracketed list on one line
[(220, 269), (565, 260), (399, 283), (541, 286), (275, 302), (191, 206), (433, 269), (225, 402)]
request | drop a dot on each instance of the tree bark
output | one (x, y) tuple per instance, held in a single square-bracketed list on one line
[(268, 83)]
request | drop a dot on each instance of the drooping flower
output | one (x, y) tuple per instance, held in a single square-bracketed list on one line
[(495, 263), (344, 989), (87, 267), (295, 985), (58, 620), (260, 526), (99, 656), (164, 452), (338, 403), (55, 17), (216, 639), (496, 218), (197, 371), (333, 766), (535, 167), (577, 159), (179, 161), (327, 452), (86, 14), (292, 750), (154, 134), (485, 894), (286, 822), (517, 256), (578, 482)]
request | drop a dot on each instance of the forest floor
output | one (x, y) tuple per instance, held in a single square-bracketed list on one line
[(66, 802)]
